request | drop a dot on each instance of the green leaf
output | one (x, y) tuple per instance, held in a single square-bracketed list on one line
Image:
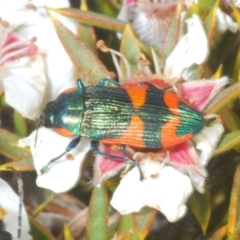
[(67, 233), (20, 125), (98, 214), (230, 119), (6, 139), (219, 234), (228, 142), (200, 205), (82, 57), (173, 32), (211, 22), (106, 7), (87, 35), (206, 4), (143, 221), (223, 98), (234, 216), (42, 206), (130, 48), (92, 19), (24, 164), (38, 232), (126, 225), (127, 235)]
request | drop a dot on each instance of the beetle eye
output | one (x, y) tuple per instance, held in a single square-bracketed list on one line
[(47, 123)]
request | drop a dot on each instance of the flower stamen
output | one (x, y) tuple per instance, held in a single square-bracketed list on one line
[(101, 45), (31, 6), (155, 63)]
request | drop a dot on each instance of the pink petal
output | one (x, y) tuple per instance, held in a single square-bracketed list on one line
[(200, 92), (129, 2), (105, 167), (183, 153), (16, 47)]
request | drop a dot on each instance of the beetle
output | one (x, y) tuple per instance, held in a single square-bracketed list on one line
[(138, 115)]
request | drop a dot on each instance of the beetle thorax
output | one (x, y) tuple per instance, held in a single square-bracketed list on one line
[(65, 113)]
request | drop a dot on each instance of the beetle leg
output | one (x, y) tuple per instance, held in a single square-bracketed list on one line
[(123, 149), (94, 147), (127, 159), (69, 147), (102, 82), (80, 84)]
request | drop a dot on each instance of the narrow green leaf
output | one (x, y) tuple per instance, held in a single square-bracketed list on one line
[(20, 125), (87, 35), (219, 234), (6, 138), (24, 164), (206, 4), (127, 235), (106, 7), (126, 224), (173, 32), (42, 206), (223, 99), (228, 142), (67, 233), (38, 232), (200, 205), (130, 48), (235, 63), (98, 214), (234, 216), (143, 221), (230, 119), (211, 22), (82, 57), (92, 19)]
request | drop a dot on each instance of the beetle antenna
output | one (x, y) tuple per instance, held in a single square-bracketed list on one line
[(35, 141), (69, 147)]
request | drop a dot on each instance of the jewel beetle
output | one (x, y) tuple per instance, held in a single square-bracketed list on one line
[(138, 115)]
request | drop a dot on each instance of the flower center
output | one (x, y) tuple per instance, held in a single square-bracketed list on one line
[(12, 46)]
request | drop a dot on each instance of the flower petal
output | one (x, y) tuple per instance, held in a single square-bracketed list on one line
[(192, 48), (25, 86), (105, 167), (207, 140), (200, 92), (59, 67), (64, 174), (9, 201), (163, 188), (225, 23)]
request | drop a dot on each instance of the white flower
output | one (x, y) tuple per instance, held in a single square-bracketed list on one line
[(192, 48), (225, 23), (65, 172), (163, 188), (192, 157), (9, 207), (31, 77)]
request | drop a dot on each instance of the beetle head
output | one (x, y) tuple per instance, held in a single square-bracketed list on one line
[(46, 118)]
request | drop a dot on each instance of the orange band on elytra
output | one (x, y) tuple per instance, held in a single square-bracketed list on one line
[(132, 136), (172, 101), (137, 94), (168, 134)]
